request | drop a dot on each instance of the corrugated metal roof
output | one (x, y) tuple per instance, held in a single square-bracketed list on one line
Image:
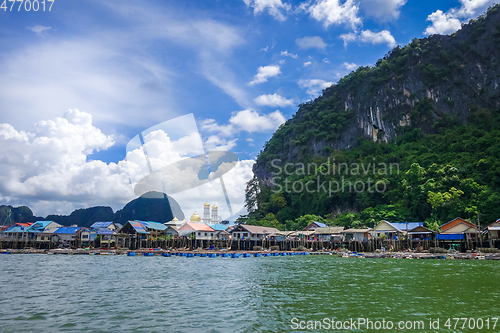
[(218, 227), (153, 225), (254, 229), (356, 231), (405, 226), (97, 225), (196, 226), (138, 227), (67, 230), (328, 230)]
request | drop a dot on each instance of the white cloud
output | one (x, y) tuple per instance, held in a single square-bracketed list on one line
[(326, 61), (451, 21), (370, 37), (314, 86), (349, 66), (245, 121), (40, 30), (274, 7), (349, 37), (49, 165), (310, 42), (384, 10), (252, 121), (264, 73), (382, 37), (442, 23), (273, 100), (334, 12), (307, 63), (286, 54)]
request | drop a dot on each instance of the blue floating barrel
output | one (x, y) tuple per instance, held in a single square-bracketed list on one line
[(212, 255), (204, 254), (166, 254), (190, 255), (226, 255), (148, 254), (246, 255), (235, 255), (184, 255), (257, 255), (282, 254), (6, 252), (131, 254), (267, 254), (198, 254), (306, 253)]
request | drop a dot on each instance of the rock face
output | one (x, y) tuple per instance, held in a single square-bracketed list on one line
[(428, 83)]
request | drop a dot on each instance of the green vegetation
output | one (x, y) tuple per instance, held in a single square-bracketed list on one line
[(455, 172), (436, 97)]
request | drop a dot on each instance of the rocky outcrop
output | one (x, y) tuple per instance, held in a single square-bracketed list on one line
[(428, 83)]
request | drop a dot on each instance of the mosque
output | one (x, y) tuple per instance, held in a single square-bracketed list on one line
[(209, 218)]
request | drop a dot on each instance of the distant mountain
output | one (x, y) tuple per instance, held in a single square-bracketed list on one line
[(9, 215), (151, 206), (84, 217)]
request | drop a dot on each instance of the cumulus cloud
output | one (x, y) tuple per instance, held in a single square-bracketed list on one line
[(247, 120), (349, 66), (307, 63), (50, 169), (39, 29), (349, 37), (264, 73), (442, 23), (274, 7), (310, 42), (383, 10), (286, 54), (451, 21), (314, 86), (370, 37), (50, 164), (273, 100), (334, 12)]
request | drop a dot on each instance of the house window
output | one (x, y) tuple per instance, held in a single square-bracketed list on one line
[(199, 234), (245, 234), (85, 236), (205, 233)]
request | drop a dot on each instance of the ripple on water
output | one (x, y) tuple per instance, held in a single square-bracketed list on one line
[(119, 293)]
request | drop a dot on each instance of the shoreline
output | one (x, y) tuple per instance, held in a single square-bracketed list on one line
[(206, 253)]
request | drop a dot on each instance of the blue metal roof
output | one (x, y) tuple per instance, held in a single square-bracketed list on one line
[(104, 231), (153, 225), (138, 227), (16, 228), (218, 227), (67, 230), (405, 226), (97, 225), (321, 225)]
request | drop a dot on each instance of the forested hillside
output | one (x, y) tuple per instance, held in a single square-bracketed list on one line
[(431, 108)]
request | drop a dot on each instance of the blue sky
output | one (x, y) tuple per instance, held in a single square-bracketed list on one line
[(240, 67)]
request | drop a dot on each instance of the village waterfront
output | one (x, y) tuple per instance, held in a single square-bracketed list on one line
[(178, 294)]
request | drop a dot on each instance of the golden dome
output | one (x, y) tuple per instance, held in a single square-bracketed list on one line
[(195, 217), (214, 207), (175, 218), (206, 204)]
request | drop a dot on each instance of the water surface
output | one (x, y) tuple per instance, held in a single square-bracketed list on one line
[(43, 293)]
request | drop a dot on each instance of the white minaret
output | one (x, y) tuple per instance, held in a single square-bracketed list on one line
[(215, 215), (206, 213)]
